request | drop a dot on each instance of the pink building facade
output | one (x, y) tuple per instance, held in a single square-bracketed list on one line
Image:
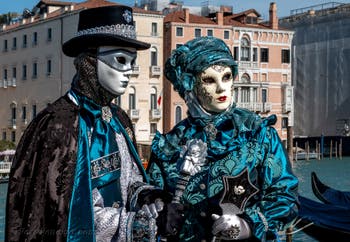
[(263, 54)]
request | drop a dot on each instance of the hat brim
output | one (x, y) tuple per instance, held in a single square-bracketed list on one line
[(79, 44)]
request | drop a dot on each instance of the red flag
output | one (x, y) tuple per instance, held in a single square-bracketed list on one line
[(159, 100)]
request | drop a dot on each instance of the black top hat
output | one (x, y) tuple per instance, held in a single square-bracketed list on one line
[(104, 26)]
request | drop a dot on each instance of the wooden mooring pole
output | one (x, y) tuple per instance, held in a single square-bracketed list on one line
[(331, 150)]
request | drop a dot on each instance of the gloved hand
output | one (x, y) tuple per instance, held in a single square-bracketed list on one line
[(230, 227), (171, 219)]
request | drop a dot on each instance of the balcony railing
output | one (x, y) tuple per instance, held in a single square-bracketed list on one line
[(256, 106), (12, 83), (155, 114), (286, 107), (248, 64), (134, 114), (12, 123), (156, 71)]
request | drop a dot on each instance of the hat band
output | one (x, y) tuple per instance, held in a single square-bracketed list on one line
[(124, 30)]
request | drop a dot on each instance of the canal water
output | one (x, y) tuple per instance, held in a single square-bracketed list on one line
[(333, 172)]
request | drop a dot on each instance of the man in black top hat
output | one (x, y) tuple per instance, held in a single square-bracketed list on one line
[(76, 175)]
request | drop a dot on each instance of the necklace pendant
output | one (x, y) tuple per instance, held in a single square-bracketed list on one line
[(211, 131), (106, 114)]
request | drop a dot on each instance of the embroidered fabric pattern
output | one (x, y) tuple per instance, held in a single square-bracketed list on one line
[(105, 164), (106, 218), (124, 30), (264, 220)]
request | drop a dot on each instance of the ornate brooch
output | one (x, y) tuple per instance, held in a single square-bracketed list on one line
[(211, 131), (106, 114)]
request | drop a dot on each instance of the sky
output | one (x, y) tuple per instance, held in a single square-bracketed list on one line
[(262, 6)]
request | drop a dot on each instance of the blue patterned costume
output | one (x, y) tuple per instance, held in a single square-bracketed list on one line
[(242, 140)]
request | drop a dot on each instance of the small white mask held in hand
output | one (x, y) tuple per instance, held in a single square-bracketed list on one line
[(214, 88), (114, 66)]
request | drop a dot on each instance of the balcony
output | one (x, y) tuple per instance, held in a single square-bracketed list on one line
[(248, 64), (12, 123), (155, 71), (134, 114), (258, 107), (135, 70), (286, 107), (155, 114), (12, 83)]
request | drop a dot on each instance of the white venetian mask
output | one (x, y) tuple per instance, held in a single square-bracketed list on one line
[(213, 88), (114, 66)]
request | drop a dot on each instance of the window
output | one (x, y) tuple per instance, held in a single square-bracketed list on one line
[(35, 38), (14, 72), (255, 54), (245, 49), (35, 70), (245, 78), (154, 60), (14, 43), (245, 94), (13, 136), (5, 45), (4, 135), (226, 34), (178, 114), (5, 75), (48, 67), (24, 43), (235, 53), (49, 34), (33, 111), (263, 95), (197, 33), (264, 77), (209, 32), (284, 78), (284, 123), (179, 31), (24, 113), (153, 98), (153, 128), (13, 113), (132, 99), (154, 29), (252, 20), (24, 72), (264, 55), (285, 56)]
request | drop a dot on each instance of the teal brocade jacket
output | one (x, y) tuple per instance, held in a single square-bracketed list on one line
[(243, 140)]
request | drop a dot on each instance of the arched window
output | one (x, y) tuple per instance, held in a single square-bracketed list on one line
[(245, 78), (245, 49), (178, 114), (132, 98), (154, 56), (153, 98)]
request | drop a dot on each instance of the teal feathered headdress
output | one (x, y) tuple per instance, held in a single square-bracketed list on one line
[(190, 59)]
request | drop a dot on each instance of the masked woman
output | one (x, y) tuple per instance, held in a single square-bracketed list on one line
[(231, 141)]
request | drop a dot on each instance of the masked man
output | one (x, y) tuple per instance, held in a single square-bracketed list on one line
[(76, 175)]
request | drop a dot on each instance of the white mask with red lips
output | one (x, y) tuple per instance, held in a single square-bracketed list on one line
[(213, 88)]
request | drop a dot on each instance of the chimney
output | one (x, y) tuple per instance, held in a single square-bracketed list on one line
[(187, 15), (273, 16), (220, 18)]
